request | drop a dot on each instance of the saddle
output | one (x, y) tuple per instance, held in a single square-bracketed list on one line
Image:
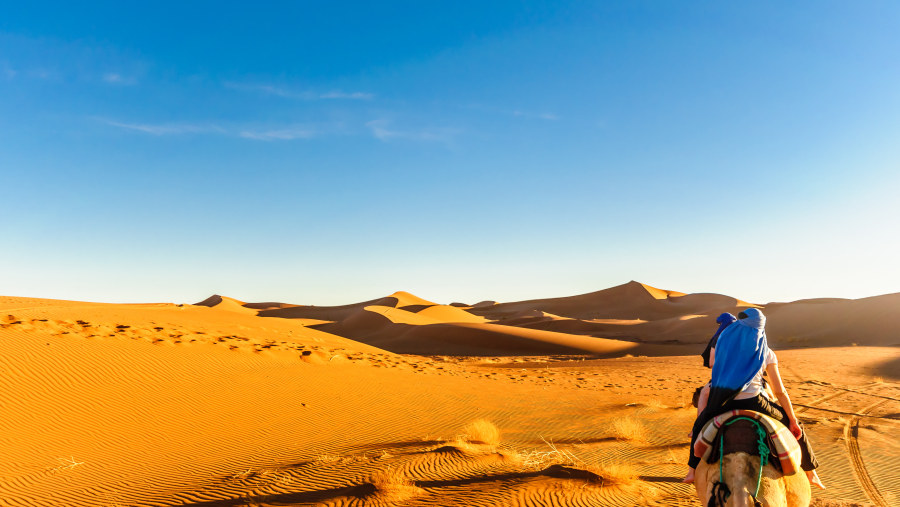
[(783, 448)]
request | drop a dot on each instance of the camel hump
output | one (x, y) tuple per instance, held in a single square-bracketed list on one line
[(742, 435), (780, 445)]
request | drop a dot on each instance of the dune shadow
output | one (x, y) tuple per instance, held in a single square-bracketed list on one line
[(663, 447), (659, 478), (362, 491), (889, 369), (574, 441), (400, 445), (554, 471), (302, 498)]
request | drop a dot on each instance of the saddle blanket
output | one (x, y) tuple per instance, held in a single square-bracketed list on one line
[(787, 449)]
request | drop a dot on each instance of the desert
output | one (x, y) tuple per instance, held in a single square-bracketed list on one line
[(581, 400), (521, 253)]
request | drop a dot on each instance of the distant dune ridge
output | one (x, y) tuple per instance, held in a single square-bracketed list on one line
[(632, 317)]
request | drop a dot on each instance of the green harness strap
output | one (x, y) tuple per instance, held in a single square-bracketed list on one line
[(761, 445)]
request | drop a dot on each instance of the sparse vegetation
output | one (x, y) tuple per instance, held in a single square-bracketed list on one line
[(538, 459), (393, 486), (482, 432), (615, 473), (66, 464), (621, 475), (628, 428)]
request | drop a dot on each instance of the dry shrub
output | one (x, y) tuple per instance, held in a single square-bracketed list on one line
[(652, 403), (482, 432), (537, 459), (655, 403), (327, 458), (616, 473), (619, 475), (393, 486), (626, 477), (628, 428)]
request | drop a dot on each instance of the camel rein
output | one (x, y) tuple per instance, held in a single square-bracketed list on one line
[(761, 445)]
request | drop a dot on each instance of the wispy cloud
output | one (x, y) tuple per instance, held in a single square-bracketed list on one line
[(337, 94), (167, 129), (280, 134), (289, 93), (53, 60), (260, 134), (43, 74), (539, 116), (382, 130), (118, 79), (518, 113)]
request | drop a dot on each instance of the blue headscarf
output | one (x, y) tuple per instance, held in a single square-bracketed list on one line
[(740, 354), (723, 321)]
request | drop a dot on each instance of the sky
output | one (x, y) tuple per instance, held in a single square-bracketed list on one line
[(327, 152)]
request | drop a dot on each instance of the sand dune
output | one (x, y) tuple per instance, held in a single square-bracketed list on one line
[(657, 320), (836, 322), (333, 313), (227, 304), (213, 405), (632, 300), (427, 337)]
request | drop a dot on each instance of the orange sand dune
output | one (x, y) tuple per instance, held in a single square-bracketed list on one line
[(331, 313), (633, 312), (228, 304), (632, 300), (428, 337), (162, 404), (836, 322)]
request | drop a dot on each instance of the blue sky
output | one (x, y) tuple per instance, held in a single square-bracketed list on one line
[(331, 152)]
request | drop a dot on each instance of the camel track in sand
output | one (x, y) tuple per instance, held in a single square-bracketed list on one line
[(851, 432), (812, 404), (851, 435)]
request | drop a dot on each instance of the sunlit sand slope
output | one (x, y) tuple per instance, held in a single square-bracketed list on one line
[(443, 333)]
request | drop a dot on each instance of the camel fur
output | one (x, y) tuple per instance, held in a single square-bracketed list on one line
[(740, 470)]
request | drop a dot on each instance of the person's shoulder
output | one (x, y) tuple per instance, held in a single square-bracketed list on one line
[(771, 357)]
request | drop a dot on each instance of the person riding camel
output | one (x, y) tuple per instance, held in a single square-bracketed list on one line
[(740, 358), (708, 355)]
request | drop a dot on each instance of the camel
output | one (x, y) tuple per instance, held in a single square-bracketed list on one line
[(741, 470)]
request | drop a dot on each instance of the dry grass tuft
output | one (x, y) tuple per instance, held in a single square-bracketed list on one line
[(538, 459), (652, 403), (616, 473), (628, 428), (66, 464), (655, 403), (626, 477), (482, 432), (393, 486)]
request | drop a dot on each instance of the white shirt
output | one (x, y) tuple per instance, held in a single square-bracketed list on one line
[(756, 383)]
